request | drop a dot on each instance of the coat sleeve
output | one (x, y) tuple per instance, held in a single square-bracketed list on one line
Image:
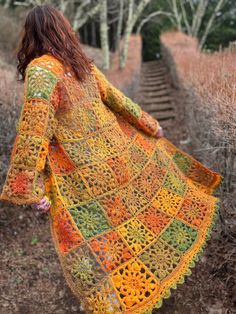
[(24, 182), (122, 104)]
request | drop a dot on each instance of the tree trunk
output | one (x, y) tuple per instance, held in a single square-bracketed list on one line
[(198, 17), (185, 18), (177, 15), (128, 31), (7, 4), (119, 26), (132, 19), (104, 34), (63, 6), (82, 15), (150, 16), (210, 23)]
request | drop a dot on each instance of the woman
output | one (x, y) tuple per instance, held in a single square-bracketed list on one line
[(129, 212)]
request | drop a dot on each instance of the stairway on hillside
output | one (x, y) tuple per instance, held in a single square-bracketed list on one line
[(154, 94)]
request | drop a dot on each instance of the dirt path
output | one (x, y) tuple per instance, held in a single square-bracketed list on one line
[(32, 280)]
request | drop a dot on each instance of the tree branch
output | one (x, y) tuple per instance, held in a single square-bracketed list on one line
[(104, 34), (210, 22), (178, 16), (186, 22), (150, 16), (199, 16), (79, 20)]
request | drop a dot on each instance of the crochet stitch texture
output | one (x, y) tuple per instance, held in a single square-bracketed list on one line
[(130, 213)]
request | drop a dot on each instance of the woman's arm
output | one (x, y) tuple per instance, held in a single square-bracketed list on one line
[(122, 104), (25, 178)]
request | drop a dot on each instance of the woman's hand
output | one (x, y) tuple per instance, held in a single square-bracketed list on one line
[(43, 205), (159, 133)]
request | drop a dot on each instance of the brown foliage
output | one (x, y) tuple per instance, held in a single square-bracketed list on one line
[(208, 87)]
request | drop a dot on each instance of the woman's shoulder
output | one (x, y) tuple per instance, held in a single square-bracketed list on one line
[(48, 62)]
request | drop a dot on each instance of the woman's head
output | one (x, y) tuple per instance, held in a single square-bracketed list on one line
[(46, 30)]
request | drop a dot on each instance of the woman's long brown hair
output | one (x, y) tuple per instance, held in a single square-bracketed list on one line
[(47, 31)]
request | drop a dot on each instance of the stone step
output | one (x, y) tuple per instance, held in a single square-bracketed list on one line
[(153, 69), (158, 80), (153, 72), (154, 75), (158, 107), (157, 100), (152, 82), (159, 93), (161, 86), (151, 90), (156, 93), (166, 115)]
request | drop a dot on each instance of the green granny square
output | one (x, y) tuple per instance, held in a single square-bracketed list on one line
[(182, 161), (41, 82), (179, 235), (90, 219), (174, 183)]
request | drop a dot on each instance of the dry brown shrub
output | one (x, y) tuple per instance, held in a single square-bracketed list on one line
[(208, 85), (9, 33), (10, 103)]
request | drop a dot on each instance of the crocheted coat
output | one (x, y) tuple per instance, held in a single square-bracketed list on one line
[(130, 213)]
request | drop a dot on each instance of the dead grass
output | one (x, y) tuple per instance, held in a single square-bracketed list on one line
[(212, 77), (204, 86), (208, 85)]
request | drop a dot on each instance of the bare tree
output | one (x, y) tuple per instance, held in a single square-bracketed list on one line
[(151, 16), (133, 15), (177, 15), (7, 4), (127, 34), (63, 5), (194, 22), (211, 22), (83, 13), (104, 34), (120, 22), (198, 17), (185, 17)]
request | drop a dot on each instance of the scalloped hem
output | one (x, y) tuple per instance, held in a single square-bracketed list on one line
[(157, 301), (157, 304)]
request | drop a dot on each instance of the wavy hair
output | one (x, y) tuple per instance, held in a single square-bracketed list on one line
[(48, 31)]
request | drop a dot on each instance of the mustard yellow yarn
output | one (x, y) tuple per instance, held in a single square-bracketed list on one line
[(130, 214)]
